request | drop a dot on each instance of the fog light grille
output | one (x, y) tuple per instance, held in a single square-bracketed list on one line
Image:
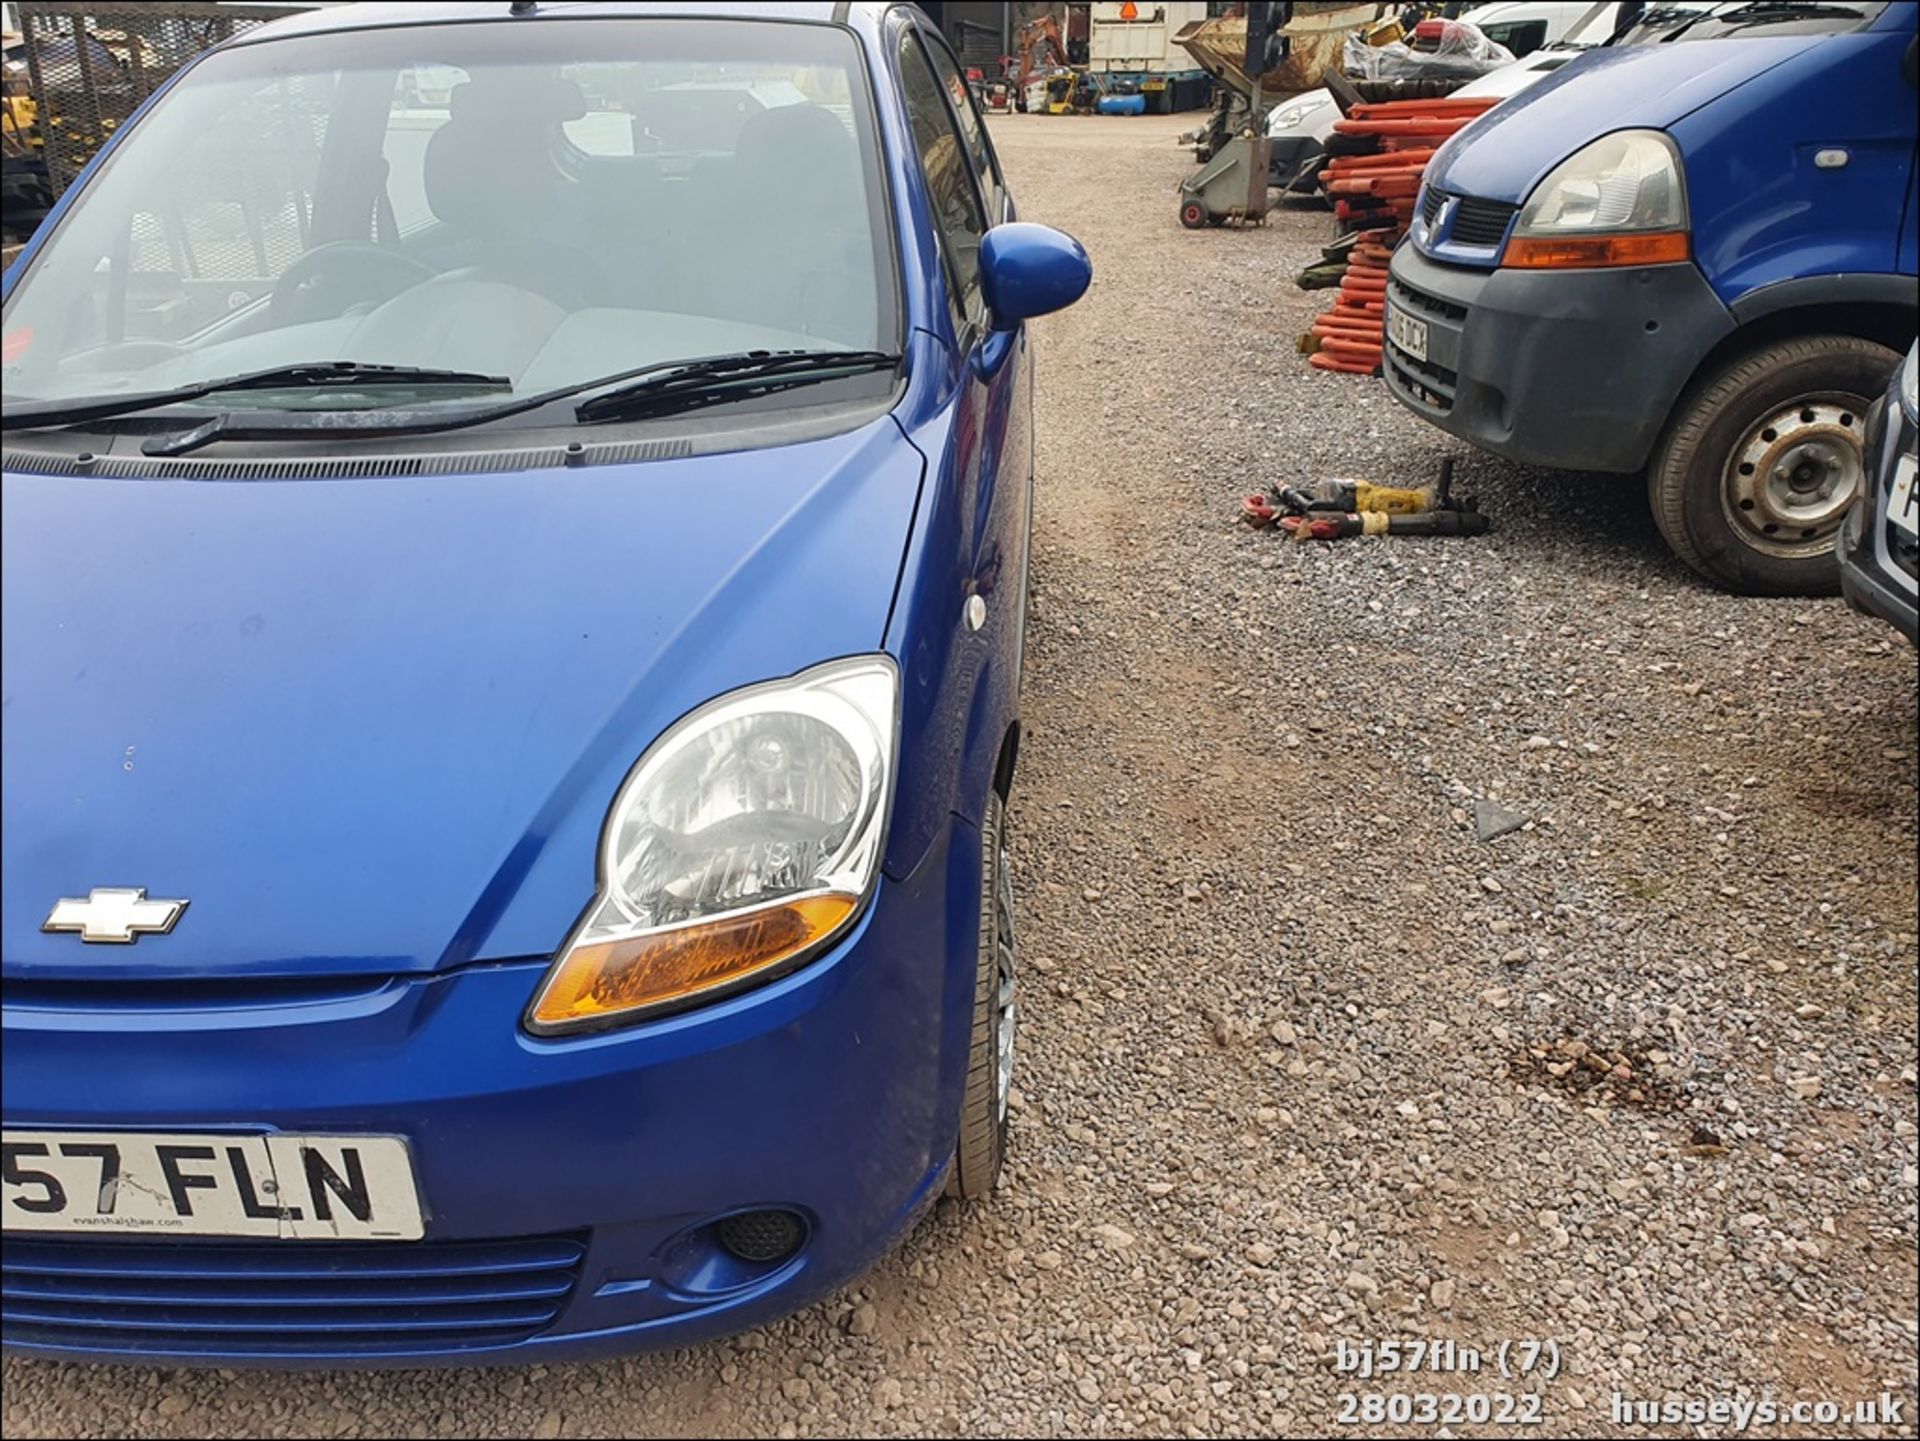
[(761, 1235)]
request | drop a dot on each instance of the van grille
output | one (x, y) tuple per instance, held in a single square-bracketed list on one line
[(1480, 222), (1475, 222), (1421, 303)]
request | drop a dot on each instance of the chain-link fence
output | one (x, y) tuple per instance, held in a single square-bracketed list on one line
[(75, 72)]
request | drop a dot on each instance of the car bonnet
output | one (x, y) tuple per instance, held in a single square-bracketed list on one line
[(373, 726)]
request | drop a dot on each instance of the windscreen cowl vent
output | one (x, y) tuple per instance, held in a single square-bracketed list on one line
[(35, 460)]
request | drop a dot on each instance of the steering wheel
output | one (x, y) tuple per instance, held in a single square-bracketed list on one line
[(328, 278)]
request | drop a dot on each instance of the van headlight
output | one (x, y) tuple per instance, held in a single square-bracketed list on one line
[(1296, 112), (1620, 201), (747, 837)]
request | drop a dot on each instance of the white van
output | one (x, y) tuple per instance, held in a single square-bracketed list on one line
[(1299, 127), (1524, 28)]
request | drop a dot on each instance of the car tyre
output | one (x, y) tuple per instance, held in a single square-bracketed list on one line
[(982, 1147), (1755, 472)]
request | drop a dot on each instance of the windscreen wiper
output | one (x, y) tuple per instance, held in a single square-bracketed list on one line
[(728, 377), (685, 384), (318, 375), (1756, 13), (1780, 12)]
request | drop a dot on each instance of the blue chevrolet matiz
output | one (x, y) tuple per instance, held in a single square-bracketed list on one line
[(516, 536)]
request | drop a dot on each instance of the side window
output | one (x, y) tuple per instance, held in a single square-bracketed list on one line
[(949, 174), (975, 131), (1522, 37)]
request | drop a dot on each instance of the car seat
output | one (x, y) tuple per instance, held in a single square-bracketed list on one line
[(493, 183), (799, 236)]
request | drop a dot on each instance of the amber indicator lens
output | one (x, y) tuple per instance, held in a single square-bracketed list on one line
[(1592, 252), (659, 969)]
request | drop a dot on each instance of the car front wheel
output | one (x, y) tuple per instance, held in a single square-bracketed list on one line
[(983, 1118), (1762, 460)]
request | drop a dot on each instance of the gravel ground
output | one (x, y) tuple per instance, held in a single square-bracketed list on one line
[(1304, 1061)]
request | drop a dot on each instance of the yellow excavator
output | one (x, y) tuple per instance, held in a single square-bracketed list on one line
[(1061, 80)]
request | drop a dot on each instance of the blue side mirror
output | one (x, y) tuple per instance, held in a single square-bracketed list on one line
[(1026, 270)]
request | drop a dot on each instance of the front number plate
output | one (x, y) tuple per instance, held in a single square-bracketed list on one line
[(1407, 333), (295, 1188), (1903, 506)]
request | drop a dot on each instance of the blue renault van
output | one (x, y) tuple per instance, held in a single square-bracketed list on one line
[(516, 532), (1693, 255)]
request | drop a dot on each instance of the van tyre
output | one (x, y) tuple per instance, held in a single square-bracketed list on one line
[(983, 1118), (1762, 459)]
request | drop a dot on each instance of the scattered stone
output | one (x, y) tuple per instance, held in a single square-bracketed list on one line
[(1491, 821)]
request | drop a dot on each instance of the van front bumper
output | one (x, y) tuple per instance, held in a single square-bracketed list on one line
[(572, 1188), (1575, 369)]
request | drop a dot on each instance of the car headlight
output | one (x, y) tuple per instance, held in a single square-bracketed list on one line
[(747, 837), (1620, 201), (1910, 383), (1291, 115)]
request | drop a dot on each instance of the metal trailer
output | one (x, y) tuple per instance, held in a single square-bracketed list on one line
[(1131, 49), (1298, 44), (89, 66)]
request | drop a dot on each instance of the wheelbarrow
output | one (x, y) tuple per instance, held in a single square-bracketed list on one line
[(1230, 186), (1258, 57)]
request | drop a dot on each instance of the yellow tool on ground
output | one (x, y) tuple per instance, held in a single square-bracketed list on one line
[(1364, 508), (1363, 497)]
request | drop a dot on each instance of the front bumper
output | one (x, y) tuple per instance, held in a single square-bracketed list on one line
[(1871, 577), (1576, 369), (589, 1170), (1294, 163)]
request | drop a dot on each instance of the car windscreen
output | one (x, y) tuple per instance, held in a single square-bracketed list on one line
[(1725, 21), (544, 201)]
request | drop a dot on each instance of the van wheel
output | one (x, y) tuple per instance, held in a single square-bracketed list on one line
[(983, 1117), (1762, 460)]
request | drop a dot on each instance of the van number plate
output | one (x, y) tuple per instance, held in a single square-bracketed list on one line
[(1407, 333), (291, 1188), (1903, 506)]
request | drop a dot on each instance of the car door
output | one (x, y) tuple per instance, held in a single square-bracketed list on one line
[(987, 467), (1004, 473)]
